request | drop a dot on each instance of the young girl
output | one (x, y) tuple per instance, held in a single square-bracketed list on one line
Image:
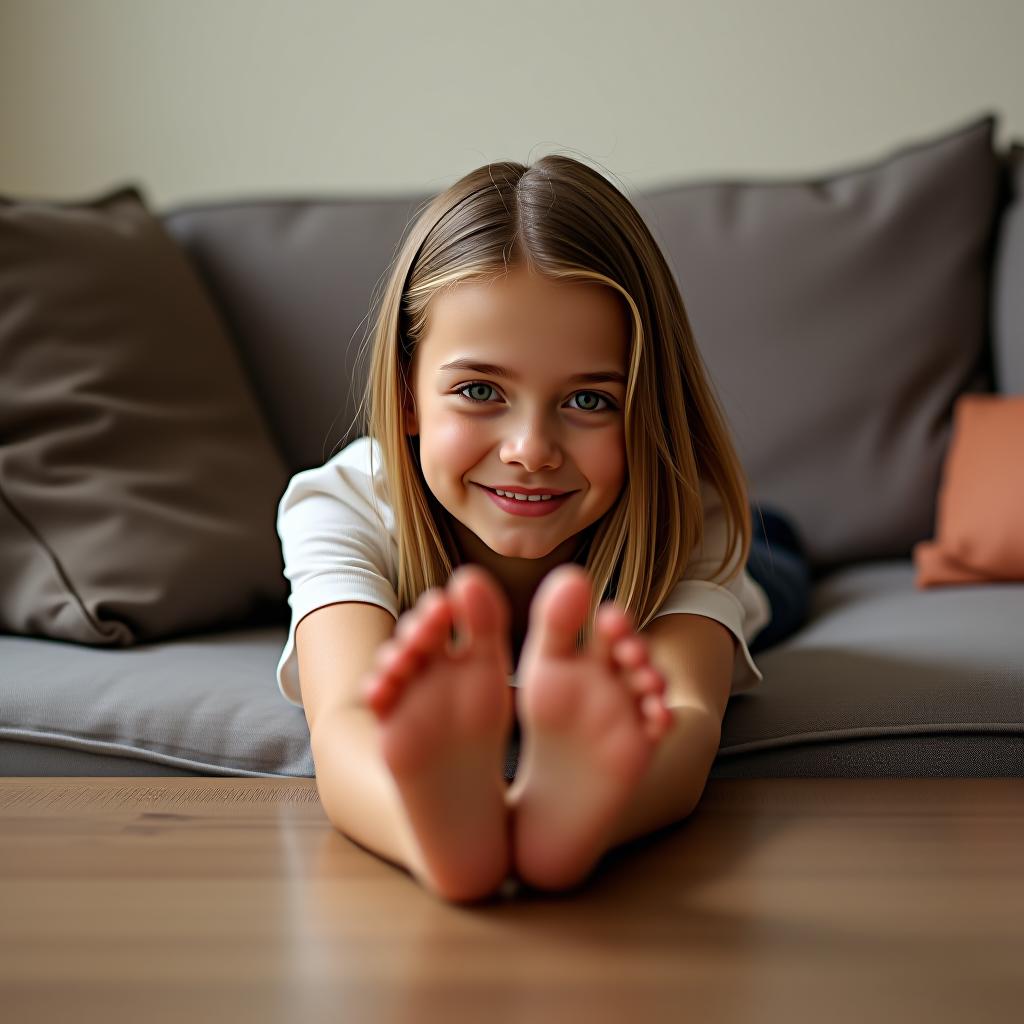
[(531, 340)]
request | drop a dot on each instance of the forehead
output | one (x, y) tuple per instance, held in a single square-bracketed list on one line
[(521, 317)]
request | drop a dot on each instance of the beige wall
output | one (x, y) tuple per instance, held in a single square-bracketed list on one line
[(205, 99)]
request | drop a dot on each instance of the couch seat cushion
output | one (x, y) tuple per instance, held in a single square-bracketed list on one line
[(204, 704), (888, 680), (885, 679)]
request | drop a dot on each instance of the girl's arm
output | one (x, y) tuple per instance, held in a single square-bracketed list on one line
[(336, 647)]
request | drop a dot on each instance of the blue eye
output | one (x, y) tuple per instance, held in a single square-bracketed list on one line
[(609, 405)]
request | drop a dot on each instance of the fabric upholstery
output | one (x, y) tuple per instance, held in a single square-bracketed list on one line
[(1008, 280), (295, 280), (883, 680), (839, 315), (138, 481)]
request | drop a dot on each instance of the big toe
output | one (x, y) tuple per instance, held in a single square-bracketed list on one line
[(559, 611), (480, 609)]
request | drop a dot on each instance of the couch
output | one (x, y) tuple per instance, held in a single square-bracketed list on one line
[(840, 316)]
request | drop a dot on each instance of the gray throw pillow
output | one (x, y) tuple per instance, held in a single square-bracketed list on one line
[(138, 481)]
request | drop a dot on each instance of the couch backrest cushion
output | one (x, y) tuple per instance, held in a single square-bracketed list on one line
[(138, 481), (839, 316), (295, 280), (1008, 281)]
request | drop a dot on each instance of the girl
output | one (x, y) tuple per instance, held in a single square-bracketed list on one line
[(547, 495)]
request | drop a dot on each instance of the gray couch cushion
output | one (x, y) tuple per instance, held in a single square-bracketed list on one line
[(839, 316), (294, 280), (884, 680), (205, 704), (1008, 281)]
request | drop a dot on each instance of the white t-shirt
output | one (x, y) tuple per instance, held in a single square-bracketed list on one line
[(338, 543)]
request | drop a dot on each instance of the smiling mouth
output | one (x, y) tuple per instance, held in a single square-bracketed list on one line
[(562, 494)]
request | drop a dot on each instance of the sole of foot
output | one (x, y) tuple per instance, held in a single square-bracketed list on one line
[(445, 712), (590, 721)]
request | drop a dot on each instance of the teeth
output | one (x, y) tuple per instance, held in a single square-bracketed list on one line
[(524, 497)]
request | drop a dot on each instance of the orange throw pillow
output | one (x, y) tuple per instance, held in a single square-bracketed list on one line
[(979, 516)]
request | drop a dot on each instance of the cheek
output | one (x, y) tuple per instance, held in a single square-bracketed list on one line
[(454, 442), (603, 459)]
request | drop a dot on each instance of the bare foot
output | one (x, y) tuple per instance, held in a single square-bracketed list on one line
[(445, 712), (590, 721)]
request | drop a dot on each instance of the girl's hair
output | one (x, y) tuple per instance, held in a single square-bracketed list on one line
[(561, 219)]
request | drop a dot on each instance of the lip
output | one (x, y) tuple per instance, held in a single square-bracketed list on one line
[(527, 508)]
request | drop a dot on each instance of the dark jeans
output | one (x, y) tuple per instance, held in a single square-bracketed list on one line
[(778, 562)]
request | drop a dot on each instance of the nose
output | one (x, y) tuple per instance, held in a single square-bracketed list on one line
[(532, 445)]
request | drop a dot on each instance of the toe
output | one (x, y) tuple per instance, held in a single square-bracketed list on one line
[(427, 627), (394, 663), (387, 678), (613, 627), (409, 623), (609, 628), (480, 611), (647, 680), (657, 717), (388, 656), (558, 612), (630, 651)]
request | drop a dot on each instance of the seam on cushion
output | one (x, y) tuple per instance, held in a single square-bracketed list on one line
[(139, 754), (44, 735), (54, 562), (875, 732)]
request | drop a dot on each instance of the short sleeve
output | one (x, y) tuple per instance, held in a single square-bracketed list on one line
[(741, 604), (337, 543)]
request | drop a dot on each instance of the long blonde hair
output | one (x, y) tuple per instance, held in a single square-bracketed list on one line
[(560, 218)]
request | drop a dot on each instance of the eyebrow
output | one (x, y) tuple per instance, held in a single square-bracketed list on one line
[(597, 377)]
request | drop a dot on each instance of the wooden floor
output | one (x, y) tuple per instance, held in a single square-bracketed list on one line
[(789, 900)]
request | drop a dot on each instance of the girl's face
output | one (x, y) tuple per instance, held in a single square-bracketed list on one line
[(540, 425)]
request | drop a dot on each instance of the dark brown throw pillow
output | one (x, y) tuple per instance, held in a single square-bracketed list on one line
[(138, 480)]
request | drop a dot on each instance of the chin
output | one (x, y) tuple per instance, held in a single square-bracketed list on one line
[(519, 551)]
